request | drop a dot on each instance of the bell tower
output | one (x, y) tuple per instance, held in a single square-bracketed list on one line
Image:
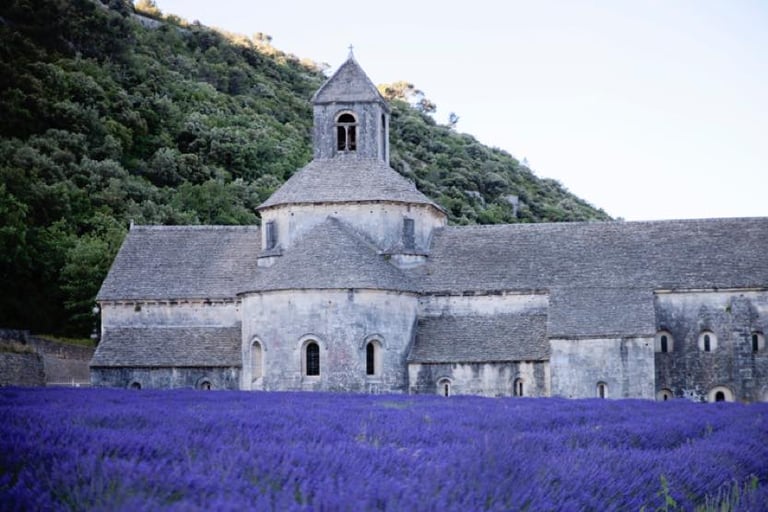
[(351, 118)]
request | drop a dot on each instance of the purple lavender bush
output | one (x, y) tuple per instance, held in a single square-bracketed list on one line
[(101, 449)]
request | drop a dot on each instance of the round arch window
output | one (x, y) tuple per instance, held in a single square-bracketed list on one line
[(373, 358), (518, 387), (602, 390), (664, 394), (444, 387), (707, 341), (664, 342), (720, 394), (311, 359), (346, 132)]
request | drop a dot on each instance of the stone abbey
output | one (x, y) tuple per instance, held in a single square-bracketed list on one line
[(354, 282)]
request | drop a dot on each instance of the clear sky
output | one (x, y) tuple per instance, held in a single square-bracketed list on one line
[(649, 109)]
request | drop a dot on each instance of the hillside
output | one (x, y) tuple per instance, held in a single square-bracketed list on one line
[(107, 118)]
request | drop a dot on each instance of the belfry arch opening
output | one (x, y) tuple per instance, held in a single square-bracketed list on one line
[(346, 133)]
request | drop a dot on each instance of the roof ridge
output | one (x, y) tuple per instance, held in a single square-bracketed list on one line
[(194, 227), (351, 67)]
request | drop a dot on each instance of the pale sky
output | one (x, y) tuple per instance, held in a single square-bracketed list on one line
[(647, 109)]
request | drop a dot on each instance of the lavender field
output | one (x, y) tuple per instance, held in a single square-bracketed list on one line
[(70, 449)]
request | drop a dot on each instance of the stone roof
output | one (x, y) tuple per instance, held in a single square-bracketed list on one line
[(189, 262), (169, 346), (481, 338), (346, 178), (601, 275), (349, 84), (331, 256)]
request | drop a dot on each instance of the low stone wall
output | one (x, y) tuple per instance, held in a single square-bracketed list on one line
[(21, 369), (60, 364)]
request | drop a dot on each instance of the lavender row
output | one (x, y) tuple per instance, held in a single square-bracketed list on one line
[(65, 449)]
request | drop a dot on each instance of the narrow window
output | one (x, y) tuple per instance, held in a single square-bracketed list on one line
[(602, 389), (313, 359), (444, 387), (664, 343), (256, 368), (518, 387), (409, 241), (383, 137), (756, 341), (370, 358), (719, 396), (271, 235), (346, 133), (706, 343)]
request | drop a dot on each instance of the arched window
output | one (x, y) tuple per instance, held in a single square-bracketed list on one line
[(346, 132), (602, 390), (664, 395), (720, 394), (444, 387), (758, 342), (373, 349), (518, 387), (205, 384), (135, 385), (664, 342), (256, 361), (370, 358), (707, 341), (312, 359)]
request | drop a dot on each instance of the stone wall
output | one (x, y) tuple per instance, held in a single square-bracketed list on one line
[(730, 318), (46, 363), (372, 136), (625, 366), (64, 364), (483, 379), (341, 322), (21, 369), (167, 378), (170, 313), (382, 222)]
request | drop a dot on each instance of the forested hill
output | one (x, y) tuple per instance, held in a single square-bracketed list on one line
[(106, 117)]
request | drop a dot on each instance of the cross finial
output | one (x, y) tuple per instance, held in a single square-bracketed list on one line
[(351, 52)]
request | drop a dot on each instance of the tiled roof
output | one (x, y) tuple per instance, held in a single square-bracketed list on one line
[(174, 262), (348, 85), (481, 338), (331, 256), (169, 346), (601, 275), (346, 178)]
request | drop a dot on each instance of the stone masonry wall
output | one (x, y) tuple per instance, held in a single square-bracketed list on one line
[(21, 369), (47, 363), (690, 372)]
